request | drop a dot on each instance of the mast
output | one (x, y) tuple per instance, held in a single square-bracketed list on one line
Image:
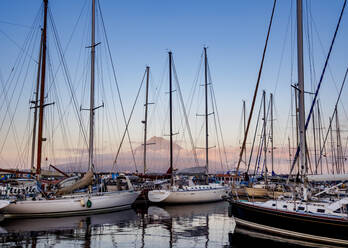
[(339, 145), (314, 141), (146, 108), (42, 92), (272, 132), (91, 108), (206, 112), (35, 102), (264, 134), (300, 71), (333, 156), (289, 152), (244, 129), (297, 125), (256, 89), (171, 119), (319, 138)]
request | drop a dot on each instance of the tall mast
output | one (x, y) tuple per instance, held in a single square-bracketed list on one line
[(289, 153), (42, 92), (244, 129), (297, 125), (91, 108), (272, 148), (340, 160), (314, 141), (145, 119), (206, 112), (300, 72), (171, 117), (319, 138), (264, 134), (36, 101), (256, 88), (333, 157)]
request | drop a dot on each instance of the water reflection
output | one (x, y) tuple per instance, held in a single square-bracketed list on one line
[(201, 225), (205, 225)]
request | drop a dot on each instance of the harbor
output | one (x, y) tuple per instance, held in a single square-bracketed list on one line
[(151, 226), (102, 145)]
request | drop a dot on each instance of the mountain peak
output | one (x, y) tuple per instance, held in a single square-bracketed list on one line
[(156, 143)]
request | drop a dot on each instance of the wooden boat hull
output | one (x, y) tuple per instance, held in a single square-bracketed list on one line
[(323, 229), (238, 191), (256, 192), (189, 196), (71, 205)]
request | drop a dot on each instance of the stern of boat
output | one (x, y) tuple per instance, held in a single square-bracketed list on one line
[(158, 195)]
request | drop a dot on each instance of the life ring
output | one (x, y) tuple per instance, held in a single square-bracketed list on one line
[(89, 203)]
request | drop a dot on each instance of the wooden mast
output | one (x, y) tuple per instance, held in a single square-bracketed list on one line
[(146, 109), (42, 92), (171, 119), (91, 108), (35, 107), (256, 89)]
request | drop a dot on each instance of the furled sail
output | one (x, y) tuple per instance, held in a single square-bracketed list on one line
[(85, 181)]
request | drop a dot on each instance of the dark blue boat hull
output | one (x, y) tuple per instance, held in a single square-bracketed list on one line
[(323, 226)]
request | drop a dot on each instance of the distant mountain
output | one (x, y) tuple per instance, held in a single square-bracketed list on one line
[(158, 159), (158, 144)]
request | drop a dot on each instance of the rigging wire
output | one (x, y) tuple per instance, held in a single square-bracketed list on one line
[(68, 78), (218, 123), (116, 82), (127, 124), (329, 68), (253, 143), (257, 86), (28, 43), (333, 114), (320, 81), (185, 114)]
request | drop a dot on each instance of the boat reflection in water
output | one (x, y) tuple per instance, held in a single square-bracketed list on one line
[(196, 225), (243, 237), (200, 225), (69, 231), (66, 223)]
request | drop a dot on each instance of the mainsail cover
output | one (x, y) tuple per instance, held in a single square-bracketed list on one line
[(85, 181), (328, 177)]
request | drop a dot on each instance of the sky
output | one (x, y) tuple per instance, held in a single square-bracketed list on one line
[(140, 33)]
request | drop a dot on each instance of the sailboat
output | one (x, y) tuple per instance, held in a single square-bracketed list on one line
[(193, 193), (324, 222), (65, 202)]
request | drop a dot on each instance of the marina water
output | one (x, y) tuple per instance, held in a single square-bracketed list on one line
[(196, 225)]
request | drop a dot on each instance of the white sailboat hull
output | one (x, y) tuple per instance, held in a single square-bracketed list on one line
[(188, 196), (71, 205)]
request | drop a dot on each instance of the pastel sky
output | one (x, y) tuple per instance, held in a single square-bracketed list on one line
[(140, 33)]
